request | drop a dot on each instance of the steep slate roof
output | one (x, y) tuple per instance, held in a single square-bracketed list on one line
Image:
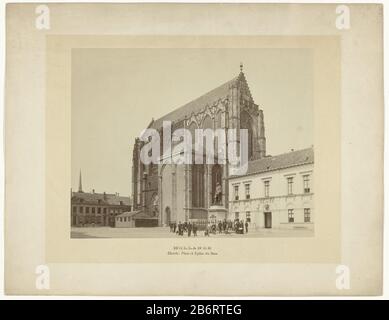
[(198, 104), (93, 198), (285, 160)]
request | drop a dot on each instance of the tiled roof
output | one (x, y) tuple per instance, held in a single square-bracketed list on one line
[(93, 198), (285, 160), (198, 104)]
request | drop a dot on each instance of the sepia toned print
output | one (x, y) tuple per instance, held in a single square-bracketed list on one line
[(183, 191), (107, 82)]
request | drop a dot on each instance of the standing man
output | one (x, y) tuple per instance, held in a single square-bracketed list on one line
[(180, 229), (247, 226), (189, 229)]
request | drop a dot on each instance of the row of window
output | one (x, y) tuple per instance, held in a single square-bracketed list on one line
[(89, 219), (266, 184), (94, 210), (307, 215), (121, 219), (100, 201), (248, 216)]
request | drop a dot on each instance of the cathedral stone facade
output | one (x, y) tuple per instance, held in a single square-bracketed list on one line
[(197, 192)]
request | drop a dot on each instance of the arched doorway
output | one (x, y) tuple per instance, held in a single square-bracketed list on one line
[(267, 217), (167, 216)]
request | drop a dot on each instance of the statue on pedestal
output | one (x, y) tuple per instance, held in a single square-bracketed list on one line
[(217, 190), (218, 194)]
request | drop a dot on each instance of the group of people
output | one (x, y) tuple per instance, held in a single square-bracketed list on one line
[(187, 227), (225, 226)]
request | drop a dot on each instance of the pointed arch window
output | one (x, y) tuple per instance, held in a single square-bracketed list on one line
[(246, 123), (198, 186)]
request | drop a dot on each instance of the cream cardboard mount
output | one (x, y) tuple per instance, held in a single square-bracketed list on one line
[(81, 86)]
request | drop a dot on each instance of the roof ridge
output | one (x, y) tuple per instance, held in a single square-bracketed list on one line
[(281, 161), (284, 153), (214, 89), (197, 100)]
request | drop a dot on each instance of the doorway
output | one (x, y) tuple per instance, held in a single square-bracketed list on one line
[(268, 220)]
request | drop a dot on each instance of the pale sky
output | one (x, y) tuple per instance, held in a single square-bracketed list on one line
[(116, 93)]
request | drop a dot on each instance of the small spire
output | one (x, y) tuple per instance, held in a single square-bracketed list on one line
[(80, 183), (241, 67)]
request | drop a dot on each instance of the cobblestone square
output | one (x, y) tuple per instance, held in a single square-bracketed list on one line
[(164, 232)]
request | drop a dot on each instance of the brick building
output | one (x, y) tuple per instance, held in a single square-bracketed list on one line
[(96, 209)]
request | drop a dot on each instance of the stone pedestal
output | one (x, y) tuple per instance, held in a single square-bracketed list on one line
[(217, 213)]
